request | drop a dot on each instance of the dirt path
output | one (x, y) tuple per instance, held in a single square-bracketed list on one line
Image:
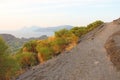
[(87, 61)]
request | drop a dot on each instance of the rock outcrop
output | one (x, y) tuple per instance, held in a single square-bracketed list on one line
[(87, 61)]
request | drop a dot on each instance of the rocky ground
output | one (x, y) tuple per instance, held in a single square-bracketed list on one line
[(89, 60)]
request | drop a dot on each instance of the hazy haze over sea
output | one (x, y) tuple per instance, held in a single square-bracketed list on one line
[(35, 31)]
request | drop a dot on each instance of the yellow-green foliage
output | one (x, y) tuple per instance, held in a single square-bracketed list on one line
[(93, 25), (8, 65), (79, 31), (3, 47), (67, 35), (46, 52), (30, 46), (58, 45), (26, 59), (44, 48), (67, 38)]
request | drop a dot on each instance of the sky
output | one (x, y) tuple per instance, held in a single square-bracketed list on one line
[(15, 14)]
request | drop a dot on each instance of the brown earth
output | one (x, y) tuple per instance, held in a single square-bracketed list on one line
[(113, 48), (87, 61)]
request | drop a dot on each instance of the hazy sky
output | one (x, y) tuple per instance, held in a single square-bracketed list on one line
[(15, 14)]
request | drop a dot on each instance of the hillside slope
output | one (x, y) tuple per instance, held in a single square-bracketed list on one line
[(87, 61), (16, 43)]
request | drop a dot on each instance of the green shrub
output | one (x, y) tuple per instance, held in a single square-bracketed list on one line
[(26, 59), (46, 52), (58, 45), (78, 31), (93, 25), (8, 65), (3, 47), (31, 46), (67, 35)]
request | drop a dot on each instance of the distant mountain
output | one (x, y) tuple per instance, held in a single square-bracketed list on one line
[(52, 29), (48, 29), (32, 28), (16, 43), (35, 31)]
